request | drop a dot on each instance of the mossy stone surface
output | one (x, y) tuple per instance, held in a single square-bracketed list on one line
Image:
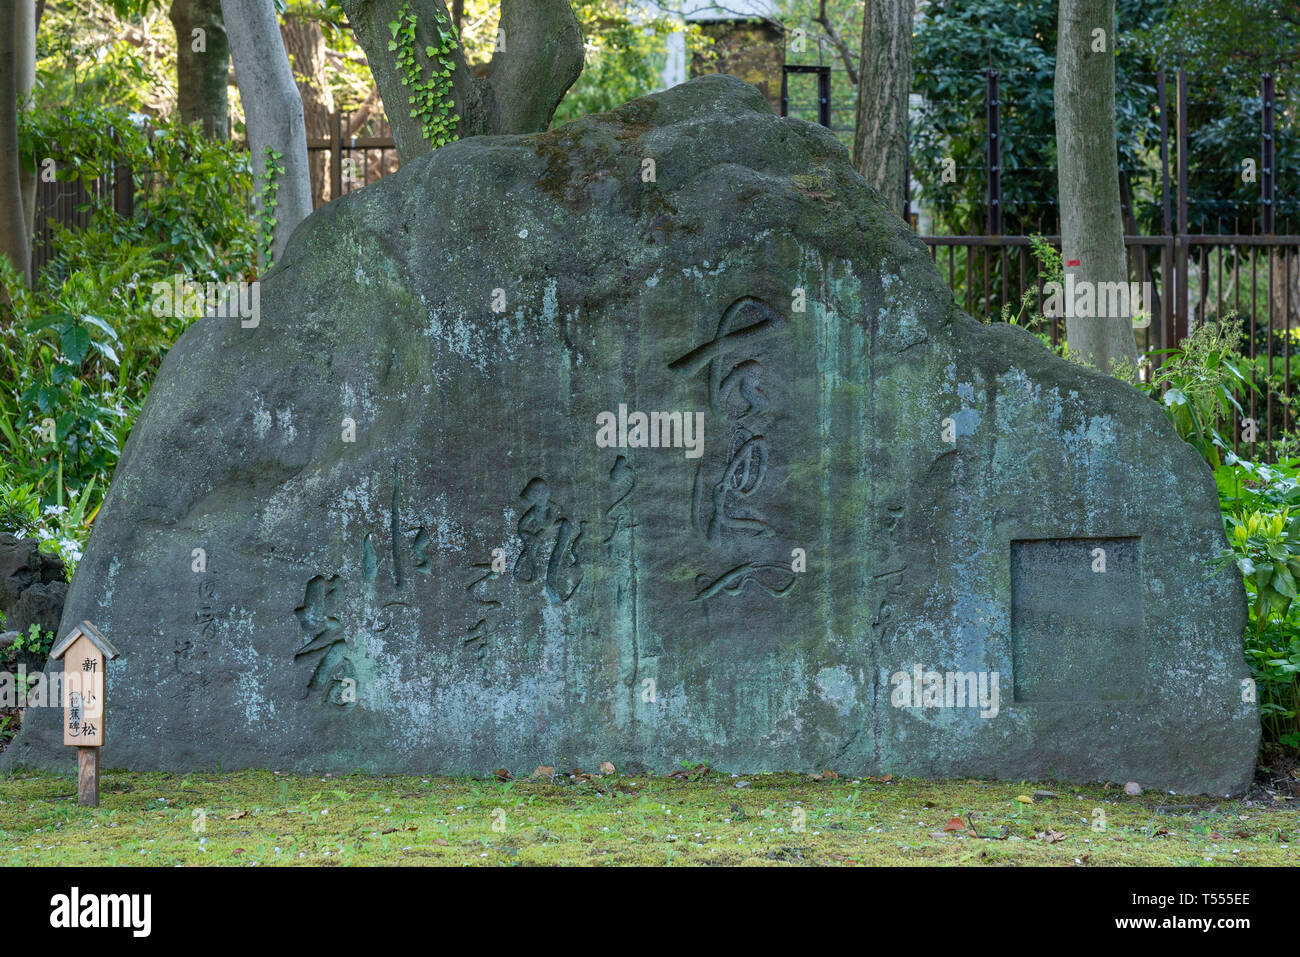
[(473, 315)]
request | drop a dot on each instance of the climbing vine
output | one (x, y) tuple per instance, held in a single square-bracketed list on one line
[(430, 99), (271, 168)]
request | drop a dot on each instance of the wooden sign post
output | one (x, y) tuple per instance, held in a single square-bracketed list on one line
[(85, 654)]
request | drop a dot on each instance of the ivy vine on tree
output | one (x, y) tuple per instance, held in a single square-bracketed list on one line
[(266, 228), (430, 99)]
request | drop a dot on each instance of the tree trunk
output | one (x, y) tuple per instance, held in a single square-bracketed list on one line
[(273, 116), (305, 44), (880, 133), (526, 80), (14, 238), (202, 65), (1092, 229), (25, 19)]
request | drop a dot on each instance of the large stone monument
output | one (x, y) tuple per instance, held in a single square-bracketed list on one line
[(654, 437)]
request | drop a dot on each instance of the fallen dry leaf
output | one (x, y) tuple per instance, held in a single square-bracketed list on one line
[(236, 816), (501, 774), (542, 771), (955, 824), (1024, 799), (1051, 836)]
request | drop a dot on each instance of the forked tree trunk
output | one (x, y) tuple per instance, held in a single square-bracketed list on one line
[(1092, 228), (272, 113), (884, 85), (526, 80)]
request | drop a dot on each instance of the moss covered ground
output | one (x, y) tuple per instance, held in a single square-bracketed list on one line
[(265, 818)]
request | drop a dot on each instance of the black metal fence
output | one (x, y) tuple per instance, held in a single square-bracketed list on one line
[(1246, 272)]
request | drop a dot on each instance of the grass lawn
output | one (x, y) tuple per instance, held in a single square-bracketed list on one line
[(260, 817)]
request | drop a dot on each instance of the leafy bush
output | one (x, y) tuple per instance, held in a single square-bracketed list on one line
[(79, 352), (1200, 385), (1263, 524), (34, 641)]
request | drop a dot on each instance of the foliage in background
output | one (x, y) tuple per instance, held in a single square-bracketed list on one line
[(819, 49), (1200, 385), (34, 641), (1261, 508), (78, 353), (1222, 36), (955, 42), (94, 55), (626, 50), (1028, 313)]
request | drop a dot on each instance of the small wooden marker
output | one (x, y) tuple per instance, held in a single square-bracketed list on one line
[(86, 654)]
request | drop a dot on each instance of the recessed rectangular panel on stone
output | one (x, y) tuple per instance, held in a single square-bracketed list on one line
[(1076, 620)]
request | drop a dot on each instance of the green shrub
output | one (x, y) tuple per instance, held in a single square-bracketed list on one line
[(34, 641), (1200, 384), (78, 353), (1264, 539)]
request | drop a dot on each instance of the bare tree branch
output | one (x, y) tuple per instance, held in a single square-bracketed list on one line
[(837, 42)]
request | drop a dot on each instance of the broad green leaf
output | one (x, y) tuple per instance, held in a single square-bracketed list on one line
[(74, 343)]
